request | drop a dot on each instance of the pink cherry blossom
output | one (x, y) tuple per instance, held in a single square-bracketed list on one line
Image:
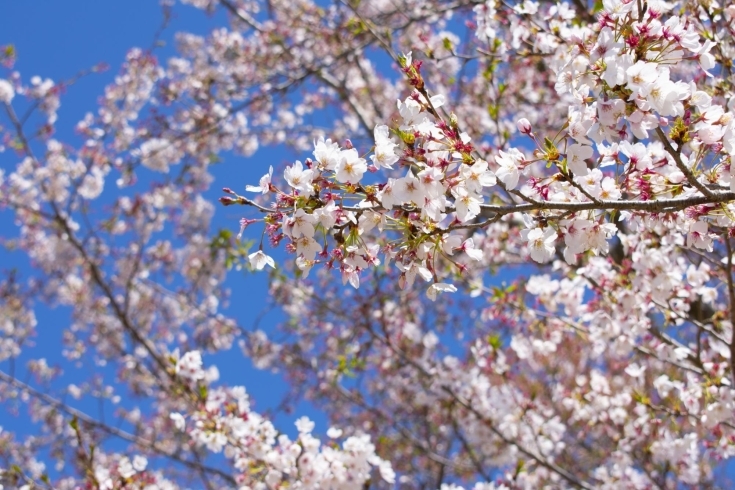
[(565, 172)]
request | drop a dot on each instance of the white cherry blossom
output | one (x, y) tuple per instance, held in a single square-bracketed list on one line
[(258, 260), (351, 167), (541, 243), (299, 178)]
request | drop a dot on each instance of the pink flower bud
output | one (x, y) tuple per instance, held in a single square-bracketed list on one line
[(524, 126)]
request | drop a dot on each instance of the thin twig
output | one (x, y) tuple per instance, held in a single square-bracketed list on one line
[(113, 431)]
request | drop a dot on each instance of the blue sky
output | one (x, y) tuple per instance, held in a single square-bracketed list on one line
[(58, 39)]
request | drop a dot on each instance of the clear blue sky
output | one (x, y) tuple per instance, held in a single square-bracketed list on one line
[(57, 39)]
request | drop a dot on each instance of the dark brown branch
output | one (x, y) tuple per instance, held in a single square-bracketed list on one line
[(731, 296)]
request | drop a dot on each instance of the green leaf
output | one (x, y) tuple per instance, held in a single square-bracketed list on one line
[(495, 341)]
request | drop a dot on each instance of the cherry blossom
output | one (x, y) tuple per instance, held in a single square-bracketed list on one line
[(541, 243), (351, 167), (258, 260), (265, 182), (299, 178), (564, 170), (7, 92)]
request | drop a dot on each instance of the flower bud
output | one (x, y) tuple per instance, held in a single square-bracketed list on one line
[(524, 126), (453, 121)]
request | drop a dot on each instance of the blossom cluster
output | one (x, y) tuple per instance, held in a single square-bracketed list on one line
[(265, 458), (618, 80)]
